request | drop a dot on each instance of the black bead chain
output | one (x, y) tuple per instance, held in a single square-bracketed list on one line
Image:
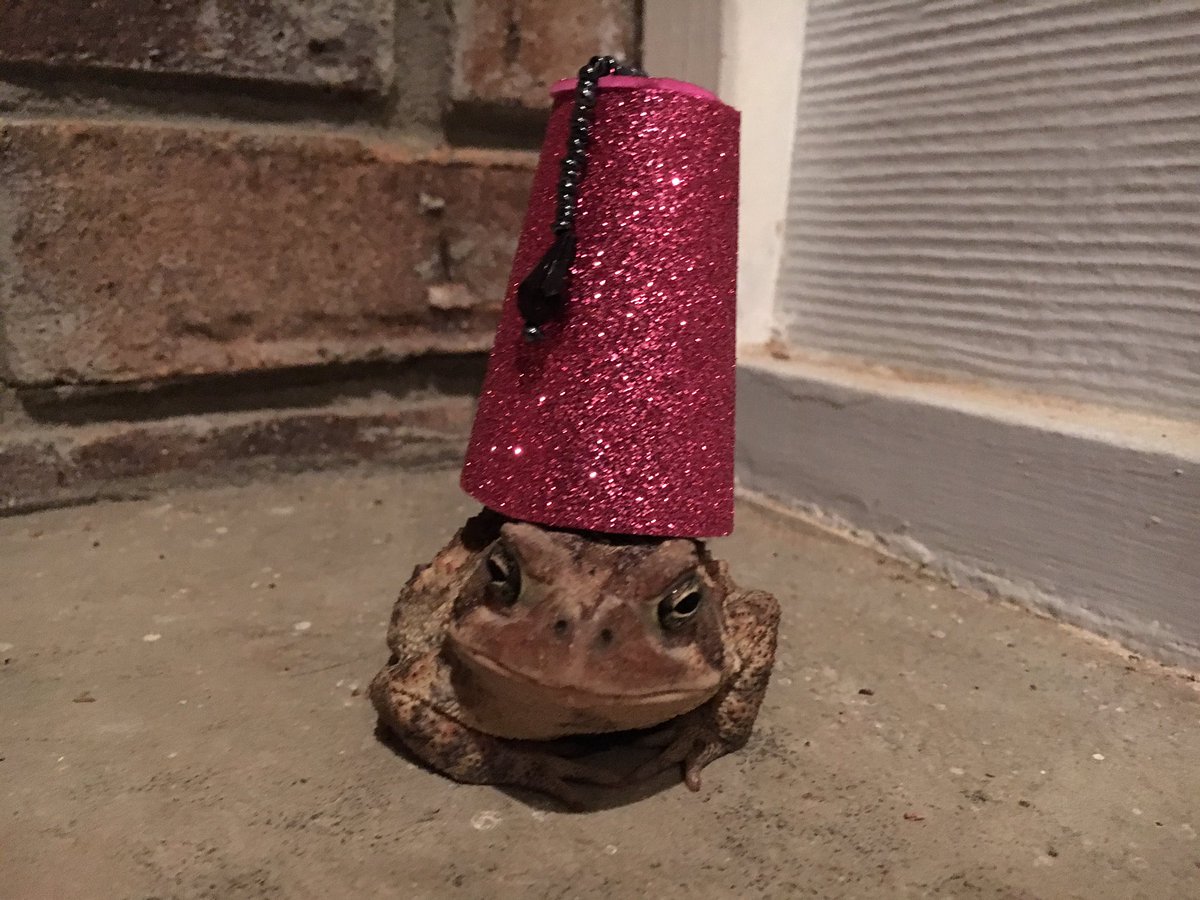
[(543, 293), (575, 162)]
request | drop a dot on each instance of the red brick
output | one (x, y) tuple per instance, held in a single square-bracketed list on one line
[(135, 253), (121, 459), (338, 43), (510, 51)]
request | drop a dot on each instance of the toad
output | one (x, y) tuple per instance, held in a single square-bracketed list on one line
[(516, 635)]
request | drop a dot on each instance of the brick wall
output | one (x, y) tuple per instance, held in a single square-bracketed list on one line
[(246, 234)]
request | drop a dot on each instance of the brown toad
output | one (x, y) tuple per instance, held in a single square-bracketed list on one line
[(516, 635)]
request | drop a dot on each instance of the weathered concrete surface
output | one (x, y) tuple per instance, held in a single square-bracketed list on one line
[(340, 44), (135, 252), (182, 716)]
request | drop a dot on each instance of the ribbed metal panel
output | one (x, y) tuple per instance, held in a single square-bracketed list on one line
[(1007, 190)]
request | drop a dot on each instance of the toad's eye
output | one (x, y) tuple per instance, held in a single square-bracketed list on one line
[(504, 577), (680, 605)]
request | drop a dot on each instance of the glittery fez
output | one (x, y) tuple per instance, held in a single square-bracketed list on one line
[(621, 419)]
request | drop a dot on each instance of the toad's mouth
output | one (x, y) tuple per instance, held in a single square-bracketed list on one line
[(573, 693)]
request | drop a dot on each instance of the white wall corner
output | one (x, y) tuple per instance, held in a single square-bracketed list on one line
[(749, 51), (762, 43)]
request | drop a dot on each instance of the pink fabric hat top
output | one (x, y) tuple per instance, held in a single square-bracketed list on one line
[(620, 419)]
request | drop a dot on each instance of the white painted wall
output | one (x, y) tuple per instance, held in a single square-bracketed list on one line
[(994, 212), (749, 51), (762, 43), (1008, 192)]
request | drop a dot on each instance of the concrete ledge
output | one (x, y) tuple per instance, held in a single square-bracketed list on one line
[(1088, 513), (65, 465)]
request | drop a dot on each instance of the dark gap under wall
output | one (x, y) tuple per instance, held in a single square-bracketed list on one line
[(301, 387)]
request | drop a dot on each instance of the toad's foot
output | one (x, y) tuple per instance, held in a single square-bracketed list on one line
[(470, 756), (694, 745)]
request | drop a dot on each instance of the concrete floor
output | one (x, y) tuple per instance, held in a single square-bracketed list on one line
[(182, 716)]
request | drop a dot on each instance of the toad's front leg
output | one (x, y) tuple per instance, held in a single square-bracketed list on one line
[(412, 703), (724, 723)]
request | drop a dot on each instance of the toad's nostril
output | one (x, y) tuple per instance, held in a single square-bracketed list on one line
[(560, 627), (606, 636)]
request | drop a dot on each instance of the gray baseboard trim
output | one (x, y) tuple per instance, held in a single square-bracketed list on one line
[(1088, 513)]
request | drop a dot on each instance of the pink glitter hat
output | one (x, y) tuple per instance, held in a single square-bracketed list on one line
[(609, 398)]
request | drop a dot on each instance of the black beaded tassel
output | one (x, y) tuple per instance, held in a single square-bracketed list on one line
[(543, 293)]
